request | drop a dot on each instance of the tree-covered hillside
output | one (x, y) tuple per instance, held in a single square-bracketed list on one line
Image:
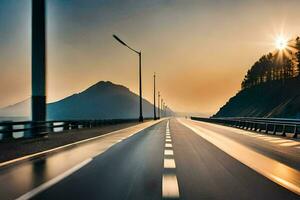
[(279, 65), (271, 87)]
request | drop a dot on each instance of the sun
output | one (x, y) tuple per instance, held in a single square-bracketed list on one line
[(281, 43)]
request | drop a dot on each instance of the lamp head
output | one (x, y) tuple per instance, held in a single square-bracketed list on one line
[(119, 40)]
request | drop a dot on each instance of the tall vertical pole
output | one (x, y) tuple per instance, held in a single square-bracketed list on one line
[(167, 111), (161, 107), (141, 119), (158, 106), (154, 98), (38, 69)]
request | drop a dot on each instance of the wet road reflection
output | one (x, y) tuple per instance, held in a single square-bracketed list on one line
[(272, 169), (19, 179)]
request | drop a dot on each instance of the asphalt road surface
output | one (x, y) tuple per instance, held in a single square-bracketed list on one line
[(172, 159)]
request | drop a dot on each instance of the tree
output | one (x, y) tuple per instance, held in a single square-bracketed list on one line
[(274, 66), (297, 56)]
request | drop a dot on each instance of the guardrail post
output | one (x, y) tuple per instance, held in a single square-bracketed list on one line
[(50, 127), (250, 126), (246, 125), (236, 123), (242, 125), (7, 131), (295, 132), (283, 131), (275, 129), (267, 128), (73, 125), (36, 129), (66, 126), (33, 130), (259, 129), (255, 126)]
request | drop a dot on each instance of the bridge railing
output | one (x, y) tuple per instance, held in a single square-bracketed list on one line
[(273, 126), (9, 129)]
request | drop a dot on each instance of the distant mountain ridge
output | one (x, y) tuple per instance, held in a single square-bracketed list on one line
[(20, 109), (103, 100)]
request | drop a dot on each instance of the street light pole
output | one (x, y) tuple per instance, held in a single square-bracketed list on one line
[(158, 106), (154, 106), (167, 111), (161, 107), (38, 68), (141, 119)]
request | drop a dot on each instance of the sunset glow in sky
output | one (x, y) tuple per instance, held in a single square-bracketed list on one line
[(200, 50)]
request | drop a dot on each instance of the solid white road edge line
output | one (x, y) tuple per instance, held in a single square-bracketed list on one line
[(273, 170), (72, 144)]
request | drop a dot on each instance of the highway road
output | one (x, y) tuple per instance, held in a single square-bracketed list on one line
[(169, 159)]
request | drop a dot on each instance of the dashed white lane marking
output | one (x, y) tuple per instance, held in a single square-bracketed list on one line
[(53, 181), (169, 180), (169, 153), (169, 163), (170, 186), (168, 145)]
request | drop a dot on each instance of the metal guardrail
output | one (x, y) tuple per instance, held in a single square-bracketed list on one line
[(274, 126), (36, 129)]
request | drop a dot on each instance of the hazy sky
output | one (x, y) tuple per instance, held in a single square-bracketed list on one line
[(199, 49)]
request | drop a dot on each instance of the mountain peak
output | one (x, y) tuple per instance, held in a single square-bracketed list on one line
[(106, 85), (103, 100)]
